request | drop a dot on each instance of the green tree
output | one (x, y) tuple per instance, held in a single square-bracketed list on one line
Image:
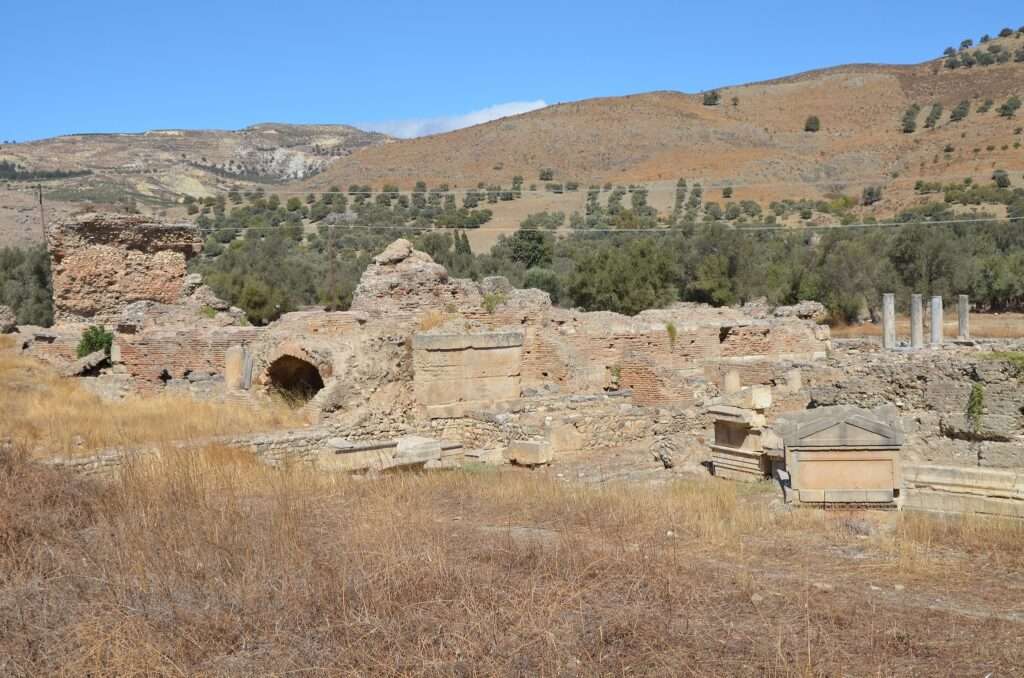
[(812, 124)]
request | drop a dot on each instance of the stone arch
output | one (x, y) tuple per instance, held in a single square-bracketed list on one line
[(296, 372)]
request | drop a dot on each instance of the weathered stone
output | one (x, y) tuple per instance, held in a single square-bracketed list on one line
[(806, 310), (529, 453), (416, 449), (85, 364), (8, 321)]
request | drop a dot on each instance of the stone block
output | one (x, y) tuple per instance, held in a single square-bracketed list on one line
[(84, 365), (235, 360), (751, 398), (528, 453), (565, 438), (416, 449)]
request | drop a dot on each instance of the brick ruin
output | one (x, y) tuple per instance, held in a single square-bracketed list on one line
[(496, 372), (100, 263)]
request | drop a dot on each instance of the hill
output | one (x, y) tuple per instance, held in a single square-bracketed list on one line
[(152, 171), (888, 126), (755, 134)]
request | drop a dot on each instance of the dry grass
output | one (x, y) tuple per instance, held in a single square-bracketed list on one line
[(41, 411), (431, 319), (983, 326), (204, 562)]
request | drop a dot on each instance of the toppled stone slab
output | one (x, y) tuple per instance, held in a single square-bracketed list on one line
[(85, 365), (416, 450), (8, 321)]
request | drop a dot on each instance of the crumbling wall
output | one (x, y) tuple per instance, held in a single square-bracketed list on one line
[(101, 263), (154, 358)]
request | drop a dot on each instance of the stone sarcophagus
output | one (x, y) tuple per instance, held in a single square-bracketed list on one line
[(841, 455)]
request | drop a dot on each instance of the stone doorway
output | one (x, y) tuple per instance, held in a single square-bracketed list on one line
[(295, 379)]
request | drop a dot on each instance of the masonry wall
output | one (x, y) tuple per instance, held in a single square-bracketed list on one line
[(102, 263), (453, 368), (147, 356)]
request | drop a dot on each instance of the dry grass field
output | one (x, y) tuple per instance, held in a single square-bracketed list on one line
[(983, 326), (207, 563), (41, 411)]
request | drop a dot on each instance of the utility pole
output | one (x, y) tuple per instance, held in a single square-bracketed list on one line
[(42, 214)]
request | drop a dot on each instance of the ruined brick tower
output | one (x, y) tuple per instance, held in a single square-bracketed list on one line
[(103, 262)]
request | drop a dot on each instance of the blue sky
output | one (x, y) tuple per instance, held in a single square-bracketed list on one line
[(415, 67)]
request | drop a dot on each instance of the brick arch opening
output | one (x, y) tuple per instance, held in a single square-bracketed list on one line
[(296, 379)]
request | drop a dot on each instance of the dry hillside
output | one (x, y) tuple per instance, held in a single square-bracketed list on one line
[(753, 139), (661, 136), (151, 171)]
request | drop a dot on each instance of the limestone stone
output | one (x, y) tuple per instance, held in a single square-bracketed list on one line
[(529, 453), (8, 321), (85, 364), (416, 449), (731, 382), (235, 361)]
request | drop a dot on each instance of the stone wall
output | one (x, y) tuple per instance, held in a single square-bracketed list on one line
[(931, 388), (155, 357), (102, 263)]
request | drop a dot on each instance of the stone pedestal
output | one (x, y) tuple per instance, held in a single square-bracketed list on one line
[(916, 322), (889, 321), (936, 322)]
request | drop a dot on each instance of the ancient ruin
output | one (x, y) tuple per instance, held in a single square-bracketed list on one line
[(431, 370)]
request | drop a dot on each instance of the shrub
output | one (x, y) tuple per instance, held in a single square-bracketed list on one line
[(1006, 32), (712, 98), (727, 192), (1009, 109), (910, 119), (985, 106), (975, 407), (933, 116), (670, 328), (871, 195), (95, 338), (1001, 178), (812, 124), (547, 174), (960, 112), (492, 300)]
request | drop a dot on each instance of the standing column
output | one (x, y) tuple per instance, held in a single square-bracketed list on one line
[(963, 315), (936, 321), (916, 322), (889, 321)]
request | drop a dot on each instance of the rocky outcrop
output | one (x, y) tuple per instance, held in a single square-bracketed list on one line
[(402, 283)]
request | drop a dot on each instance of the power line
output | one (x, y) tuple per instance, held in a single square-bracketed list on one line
[(666, 229)]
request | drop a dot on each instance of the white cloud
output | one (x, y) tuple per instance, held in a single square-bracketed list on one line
[(418, 127)]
